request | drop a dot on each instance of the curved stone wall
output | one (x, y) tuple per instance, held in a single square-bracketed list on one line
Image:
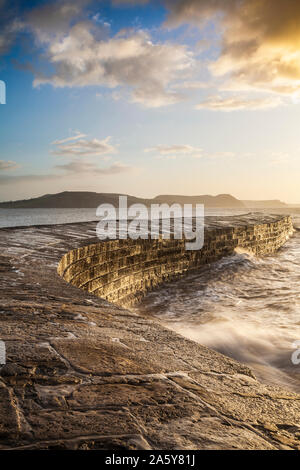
[(122, 271)]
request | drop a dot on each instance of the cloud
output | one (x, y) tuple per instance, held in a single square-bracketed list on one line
[(175, 150), (171, 152), (277, 158), (80, 53), (79, 167), (9, 25), (46, 21), (18, 179), (194, 85), (260, 40), (238, 103), (8, 165), (78, 135), (129, 2), (258, 43), (78, 146), (70, 170), (51, 20), (81, 58), (220, 155)]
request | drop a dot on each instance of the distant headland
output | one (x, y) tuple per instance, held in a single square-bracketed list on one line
[(87, 199)]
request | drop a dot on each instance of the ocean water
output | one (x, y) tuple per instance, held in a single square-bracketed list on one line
[(245, 307), (27, 217)]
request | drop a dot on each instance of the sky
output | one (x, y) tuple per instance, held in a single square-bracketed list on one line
[(150, 97)]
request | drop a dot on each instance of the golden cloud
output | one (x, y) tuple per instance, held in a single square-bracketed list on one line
[(260, 40)]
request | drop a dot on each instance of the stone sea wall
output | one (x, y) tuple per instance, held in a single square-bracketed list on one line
[(121, 271)]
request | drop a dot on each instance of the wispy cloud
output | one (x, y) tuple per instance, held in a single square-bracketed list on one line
[(278, 158), (78, 135), (220, 155), (171, 151), (18, 179), (79, 167), (8, 165), (69, 171), (77, 146), (237, 103)]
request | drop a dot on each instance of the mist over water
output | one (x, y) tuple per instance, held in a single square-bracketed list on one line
[(245, 307)]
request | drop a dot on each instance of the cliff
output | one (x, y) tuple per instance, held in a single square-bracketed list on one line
[(85, 373), (85, 199), (220, 201), (70, 200)]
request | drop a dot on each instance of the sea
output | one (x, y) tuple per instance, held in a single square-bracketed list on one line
[(243, 306)]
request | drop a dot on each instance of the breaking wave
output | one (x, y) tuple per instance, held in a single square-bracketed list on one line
[(245, 307)]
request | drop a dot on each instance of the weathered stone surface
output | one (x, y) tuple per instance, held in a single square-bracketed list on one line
[(83, 373)]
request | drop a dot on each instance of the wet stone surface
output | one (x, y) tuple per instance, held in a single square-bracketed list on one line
[(83, 373)]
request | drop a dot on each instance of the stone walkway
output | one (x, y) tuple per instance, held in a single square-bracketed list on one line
[(82, 373)]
